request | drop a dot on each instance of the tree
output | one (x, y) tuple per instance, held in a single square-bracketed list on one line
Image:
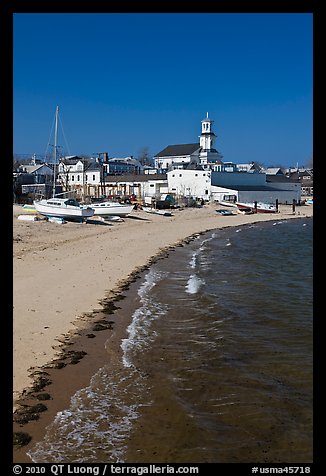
[(143, 156)]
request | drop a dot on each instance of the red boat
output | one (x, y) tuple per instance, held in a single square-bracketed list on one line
[(257, 206)]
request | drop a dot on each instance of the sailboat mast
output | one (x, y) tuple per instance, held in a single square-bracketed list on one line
[(55, 149)]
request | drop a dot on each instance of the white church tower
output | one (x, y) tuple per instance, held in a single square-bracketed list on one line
[(207, 138)]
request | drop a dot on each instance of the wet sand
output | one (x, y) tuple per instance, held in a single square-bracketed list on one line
[(62, 273)]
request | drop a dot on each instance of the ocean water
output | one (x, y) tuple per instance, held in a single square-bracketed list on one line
[(216, 365)]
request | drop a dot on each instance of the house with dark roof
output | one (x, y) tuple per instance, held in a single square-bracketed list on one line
[(76, 172), (126, 165), (33, 179), (306, 179), (176, 156)]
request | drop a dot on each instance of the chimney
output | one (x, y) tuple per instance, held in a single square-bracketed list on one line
[(105, 157)]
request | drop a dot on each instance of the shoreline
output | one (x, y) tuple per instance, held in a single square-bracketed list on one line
[(76, 336)]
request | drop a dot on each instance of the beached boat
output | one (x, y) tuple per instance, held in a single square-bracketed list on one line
[(105, 209), (156, 211), (245, 211), (29, 208), (66, 208), (224, 212), (259, 206), (227, 203)]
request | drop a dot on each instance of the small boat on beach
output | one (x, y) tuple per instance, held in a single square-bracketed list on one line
[(227, 203), (28, 217), (66, 208), (224, 212), (29, 208), (156, 211), (257, 206), (245, 211), (107, 209)]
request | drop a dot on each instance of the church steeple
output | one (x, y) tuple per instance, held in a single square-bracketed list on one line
[(207, 137)]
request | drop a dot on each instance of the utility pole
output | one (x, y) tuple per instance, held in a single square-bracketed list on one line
[(101, 156)]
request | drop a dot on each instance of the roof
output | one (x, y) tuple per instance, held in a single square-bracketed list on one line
[(207, 118), (280, 179), (70, 160), (135, 177), (92, 166), (194, 166), (250, 188), (274, 171), (178, 149), (126, 160), (89, 164), (301, 173), (33, 168)]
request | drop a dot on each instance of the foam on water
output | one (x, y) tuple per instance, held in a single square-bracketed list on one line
[(98, 412), (139, 331), (193, 259), (194, 283), (106, 409)]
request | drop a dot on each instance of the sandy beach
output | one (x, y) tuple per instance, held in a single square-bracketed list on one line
[(64, 276), (62, 272)]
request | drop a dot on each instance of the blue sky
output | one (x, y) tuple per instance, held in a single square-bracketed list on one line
[(125, 81)]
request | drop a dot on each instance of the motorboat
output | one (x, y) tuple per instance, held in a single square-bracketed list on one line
[(257, 206), (156, 211), (105, 209), (66, 208)]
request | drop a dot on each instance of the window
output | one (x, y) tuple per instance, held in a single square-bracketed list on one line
[(180, 175), (72, 178), (78, 178), (93, 177), (230, 198), (196, 175)]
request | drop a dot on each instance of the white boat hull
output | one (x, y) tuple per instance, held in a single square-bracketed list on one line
[(57, 208), (261, 207), (226, 203), (105, 209), (156, 211)]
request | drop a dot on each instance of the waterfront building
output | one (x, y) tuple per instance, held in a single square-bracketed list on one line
[(180, 156)]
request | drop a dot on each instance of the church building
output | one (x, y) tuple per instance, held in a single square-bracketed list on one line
[(181, 156)]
